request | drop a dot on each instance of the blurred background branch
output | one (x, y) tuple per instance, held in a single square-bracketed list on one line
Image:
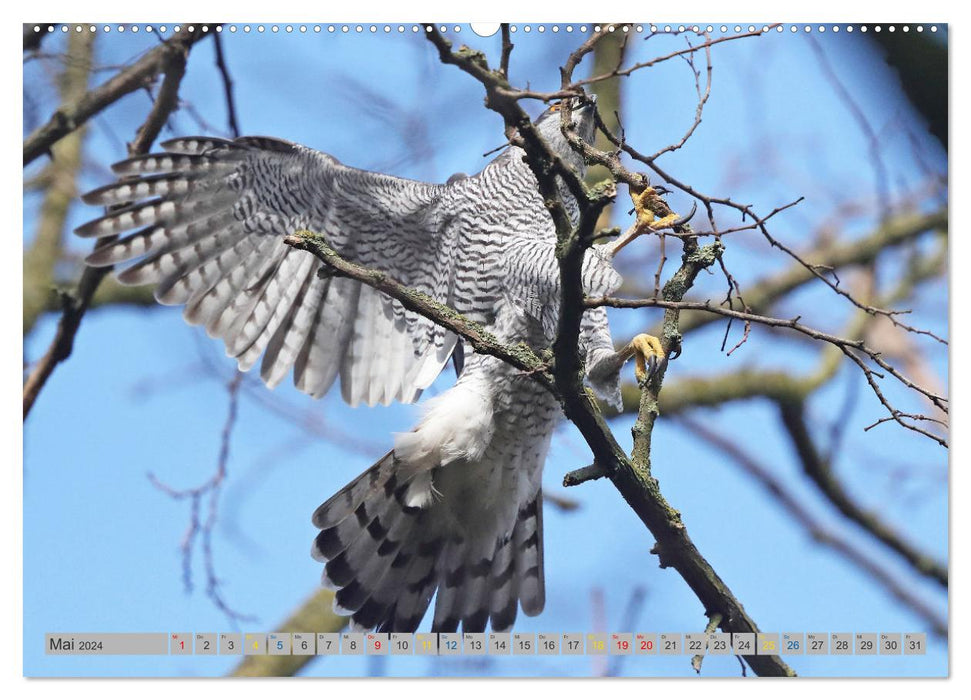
[(169, 58)]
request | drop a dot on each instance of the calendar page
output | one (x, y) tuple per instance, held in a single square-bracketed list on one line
[(567, 349)]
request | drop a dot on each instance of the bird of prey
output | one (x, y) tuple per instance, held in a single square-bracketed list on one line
[(456, 505)]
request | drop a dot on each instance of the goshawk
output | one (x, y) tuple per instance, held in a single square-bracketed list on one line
[(456, 505)]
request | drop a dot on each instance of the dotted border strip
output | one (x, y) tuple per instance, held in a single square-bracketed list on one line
[(525, 28)]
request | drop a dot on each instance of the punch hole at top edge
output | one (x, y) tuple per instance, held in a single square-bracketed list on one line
[(485, 29)]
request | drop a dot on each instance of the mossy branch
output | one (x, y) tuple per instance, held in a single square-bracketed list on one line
[(631, 476), (519, 356)]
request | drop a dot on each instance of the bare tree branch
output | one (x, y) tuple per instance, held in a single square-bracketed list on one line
[(900, 230), (849, 347), (227, 86), (827, 536), (201, 530), (507, 47), (74, 307), (32, 39), (313, 616), (60, 189), (667, 57), (519, 356), (821, 474), (873, 142), (703, 96), (72, 115)]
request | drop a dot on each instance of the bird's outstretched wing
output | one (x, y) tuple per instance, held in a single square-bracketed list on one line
[(207, 227)]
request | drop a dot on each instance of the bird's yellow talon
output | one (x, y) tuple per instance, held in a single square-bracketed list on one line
[(648, 356), (663, 223), (648, 205)]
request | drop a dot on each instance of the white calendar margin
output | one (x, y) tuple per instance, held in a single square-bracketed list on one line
[(829, 11)]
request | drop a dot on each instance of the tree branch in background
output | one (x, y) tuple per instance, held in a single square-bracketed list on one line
[(74, 307), (820, 472), (32, 39), (703, 96), (920, 61), (816, 271), (507, 47), (608, 54), (786, 389), (624, 72), (201, 530), (712, 625), (313, 616), (830, 537), (60, 183), (227, 86), (762, 296), (847, 346), (72, 115), (745, 210)]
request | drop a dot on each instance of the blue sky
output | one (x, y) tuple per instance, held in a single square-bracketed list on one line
[(143, 392)]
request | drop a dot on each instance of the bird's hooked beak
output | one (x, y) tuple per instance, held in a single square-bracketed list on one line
[(578, 105), (581, 113)]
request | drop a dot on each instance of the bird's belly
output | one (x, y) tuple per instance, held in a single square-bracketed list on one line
[(485, 495)]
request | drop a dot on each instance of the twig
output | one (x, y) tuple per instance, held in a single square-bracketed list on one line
[(873, 142), (674, 54), (713, 622), (507, 47), (912, 416), (584, 474), (612, 161), (847, 346), (898, 231), (747, 212), (780, 386), (227, 86), (662, 260), (702, 100), (202, 531)]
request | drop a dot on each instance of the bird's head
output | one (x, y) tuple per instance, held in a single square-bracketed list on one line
[(582, 116)]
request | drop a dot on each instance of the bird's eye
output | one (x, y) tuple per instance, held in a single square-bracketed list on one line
[(555, 107)]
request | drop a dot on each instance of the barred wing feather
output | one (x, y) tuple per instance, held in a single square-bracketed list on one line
[(204, 222)]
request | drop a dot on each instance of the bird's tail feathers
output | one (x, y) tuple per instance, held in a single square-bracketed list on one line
[(388, 546)]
